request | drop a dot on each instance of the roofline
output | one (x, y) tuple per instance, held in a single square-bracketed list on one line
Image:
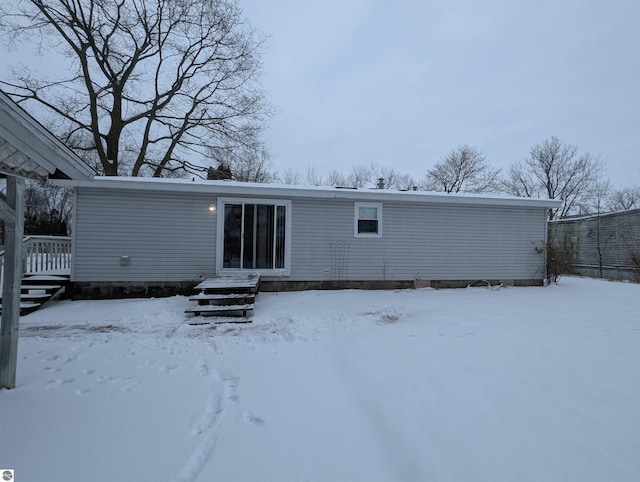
[(585, 217), (48, 149), (235, 188)]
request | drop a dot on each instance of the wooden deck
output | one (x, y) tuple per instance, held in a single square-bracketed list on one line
[(225, 299), (249, 282)]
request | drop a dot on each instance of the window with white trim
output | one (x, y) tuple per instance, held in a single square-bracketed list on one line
[(367, 220)]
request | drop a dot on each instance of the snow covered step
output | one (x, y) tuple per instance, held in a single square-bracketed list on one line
[(36, 290), (42, 297), (215, 309), (44, 279), (219, 319), (224, 299), (223, 283), (221, 296), (26, 304), (29, 287), (226, 296), (26, 307)]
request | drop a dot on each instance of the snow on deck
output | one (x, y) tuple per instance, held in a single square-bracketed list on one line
[(222, 282)]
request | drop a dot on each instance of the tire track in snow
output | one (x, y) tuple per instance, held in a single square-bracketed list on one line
[(222, 393)]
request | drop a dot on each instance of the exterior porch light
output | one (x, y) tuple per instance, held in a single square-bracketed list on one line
[(212, 208)]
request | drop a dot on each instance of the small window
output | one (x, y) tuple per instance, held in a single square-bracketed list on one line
[(368, 220)]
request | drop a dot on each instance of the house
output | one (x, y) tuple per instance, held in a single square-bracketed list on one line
[(134, 236), (601, 245)]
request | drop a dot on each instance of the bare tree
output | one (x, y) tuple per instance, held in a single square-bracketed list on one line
[(47, 209), (289, 176), (152, 83), (246, 165), (360, 176), (600, 235), (464, 169), (520, 181), (392, 178), (623, 199), (312, 177), (336, 178), (555, 170)]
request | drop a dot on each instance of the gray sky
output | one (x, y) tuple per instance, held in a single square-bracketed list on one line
[(402, 82)]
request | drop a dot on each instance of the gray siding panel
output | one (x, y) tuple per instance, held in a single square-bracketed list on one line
[(168, 237), (419, 241), (172, 237)]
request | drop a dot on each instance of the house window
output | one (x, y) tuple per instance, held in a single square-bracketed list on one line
[(368, 220), (254, 235)]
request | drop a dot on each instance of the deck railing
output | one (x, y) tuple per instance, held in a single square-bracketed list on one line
[(43, 253)]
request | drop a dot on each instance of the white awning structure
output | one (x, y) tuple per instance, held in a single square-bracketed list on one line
[(27, 151), (30, 151)]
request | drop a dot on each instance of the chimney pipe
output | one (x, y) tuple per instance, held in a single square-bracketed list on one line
[(381, 183)]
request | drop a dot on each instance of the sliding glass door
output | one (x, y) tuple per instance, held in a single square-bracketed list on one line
[(254, 235)]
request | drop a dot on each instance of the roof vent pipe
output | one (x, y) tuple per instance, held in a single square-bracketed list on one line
[(380, 183)]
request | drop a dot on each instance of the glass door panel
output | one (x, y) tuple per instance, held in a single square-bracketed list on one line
[(232, 248), (254, 236), (281, 219), (264, 236)]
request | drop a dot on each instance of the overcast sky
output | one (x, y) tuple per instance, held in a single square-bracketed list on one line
[(403, 82)]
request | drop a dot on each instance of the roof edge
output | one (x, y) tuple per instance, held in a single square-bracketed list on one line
[(318, 192)]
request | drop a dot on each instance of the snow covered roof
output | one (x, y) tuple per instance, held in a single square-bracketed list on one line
[(235, 188), (29, 150)]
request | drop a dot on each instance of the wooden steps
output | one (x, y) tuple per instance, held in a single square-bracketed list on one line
[(36, 290), (226, 299)]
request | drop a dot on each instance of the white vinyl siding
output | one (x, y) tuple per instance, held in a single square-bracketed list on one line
[(172, 236), (167, 236), (421, 241)]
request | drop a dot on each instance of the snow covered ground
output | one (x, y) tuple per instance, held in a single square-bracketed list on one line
[(477, 384)]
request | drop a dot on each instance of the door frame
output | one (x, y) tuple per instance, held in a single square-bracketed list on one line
[(221, 202)]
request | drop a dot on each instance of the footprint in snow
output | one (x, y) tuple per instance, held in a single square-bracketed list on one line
[(129, 387), (106, 379), (249, 417), (168, 368), (58, 382)]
